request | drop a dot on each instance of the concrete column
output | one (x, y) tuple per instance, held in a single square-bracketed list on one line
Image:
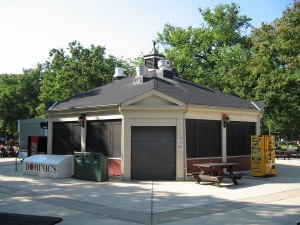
[(50, 137), (126, 149), (83, 137), (258, 124), (180, 149), (224, 143)]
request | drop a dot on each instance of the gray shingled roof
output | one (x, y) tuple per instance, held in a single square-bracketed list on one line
[(117, 92)]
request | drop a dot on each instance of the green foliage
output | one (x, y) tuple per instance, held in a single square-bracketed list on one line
[(263, 66), (75, 71), (216, 53), (18, 99), (275, 70), (284, 144), (67, 73)]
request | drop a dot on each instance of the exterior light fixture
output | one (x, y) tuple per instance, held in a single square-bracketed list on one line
[(225, 119), (44, 125), (81, 119)]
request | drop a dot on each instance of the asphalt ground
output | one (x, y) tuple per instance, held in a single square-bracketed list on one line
[(272, 200)]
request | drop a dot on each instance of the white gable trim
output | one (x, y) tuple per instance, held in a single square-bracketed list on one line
[(167, 98)]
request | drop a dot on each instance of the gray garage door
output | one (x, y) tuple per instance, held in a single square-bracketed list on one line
[(153, 153)]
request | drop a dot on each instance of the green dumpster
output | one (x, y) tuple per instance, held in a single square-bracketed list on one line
[(99, 167), (90, 166)]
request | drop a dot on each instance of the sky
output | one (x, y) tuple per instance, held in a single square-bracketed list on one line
[(29, 29)]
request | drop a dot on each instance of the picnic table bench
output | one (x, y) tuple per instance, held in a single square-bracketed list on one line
[(283, 154), (21, 219), (296, 153), (214, 172)]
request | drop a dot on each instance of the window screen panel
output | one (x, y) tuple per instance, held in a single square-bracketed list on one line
[(116, 139), (104, 136), (191, 138), (215, 138), (203, 138), (66, 138), (92, 134), (238, 137)]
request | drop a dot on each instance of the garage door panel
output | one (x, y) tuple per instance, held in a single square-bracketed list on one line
[(153, 153)]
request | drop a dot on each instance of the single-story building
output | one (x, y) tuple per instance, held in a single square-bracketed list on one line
[(155, 125)]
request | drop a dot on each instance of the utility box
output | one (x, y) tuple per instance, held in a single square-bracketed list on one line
[(54, 166), (262, 156), (90, 166)]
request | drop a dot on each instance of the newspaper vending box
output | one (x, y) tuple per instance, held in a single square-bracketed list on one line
[(262, 156)]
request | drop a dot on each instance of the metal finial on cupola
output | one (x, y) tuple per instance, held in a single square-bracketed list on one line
[(154, 43), (154, 49), (153, 57)]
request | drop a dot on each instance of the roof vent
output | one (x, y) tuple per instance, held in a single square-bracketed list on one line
[(141, 70), (119, 73), (164, 69), (163, 64)]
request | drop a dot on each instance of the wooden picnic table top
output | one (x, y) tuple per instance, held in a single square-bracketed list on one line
[(223, 164), (214, 172), (215, 169)]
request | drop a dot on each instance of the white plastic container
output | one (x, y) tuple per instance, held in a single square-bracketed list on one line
[(55, 166)]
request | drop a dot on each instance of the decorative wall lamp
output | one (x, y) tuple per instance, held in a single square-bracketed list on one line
[(225, 119), (81, 119), (44, 125)]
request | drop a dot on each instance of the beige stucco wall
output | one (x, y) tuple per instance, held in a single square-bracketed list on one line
[(153, 109), (143, 117)]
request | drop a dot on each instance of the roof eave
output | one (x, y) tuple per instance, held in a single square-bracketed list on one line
[(82, 109), (218, 108)]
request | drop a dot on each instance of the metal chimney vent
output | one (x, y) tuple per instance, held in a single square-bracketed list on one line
[(141, 70), (164, 64), (165, 69), (119, 73)]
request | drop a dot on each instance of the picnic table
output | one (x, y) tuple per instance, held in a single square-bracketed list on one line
[(17, 219), (215, 172), (283, 154)]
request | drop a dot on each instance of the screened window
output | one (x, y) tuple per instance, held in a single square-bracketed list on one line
[(66, 138), (203, 138), (105, 137), (239, 138)]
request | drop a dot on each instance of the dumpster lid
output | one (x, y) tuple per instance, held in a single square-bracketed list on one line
[(49, 159)]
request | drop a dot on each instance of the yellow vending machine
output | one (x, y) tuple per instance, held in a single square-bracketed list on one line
[(262, 156)]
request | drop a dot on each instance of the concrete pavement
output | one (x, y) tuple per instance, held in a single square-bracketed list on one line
[(273, 200)]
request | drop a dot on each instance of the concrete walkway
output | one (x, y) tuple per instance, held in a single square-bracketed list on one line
[(273, 200)]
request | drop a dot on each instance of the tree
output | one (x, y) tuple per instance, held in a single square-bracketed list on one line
[(67, 73), (76, 70), (18, 98), (275, 70), (215, 54)]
